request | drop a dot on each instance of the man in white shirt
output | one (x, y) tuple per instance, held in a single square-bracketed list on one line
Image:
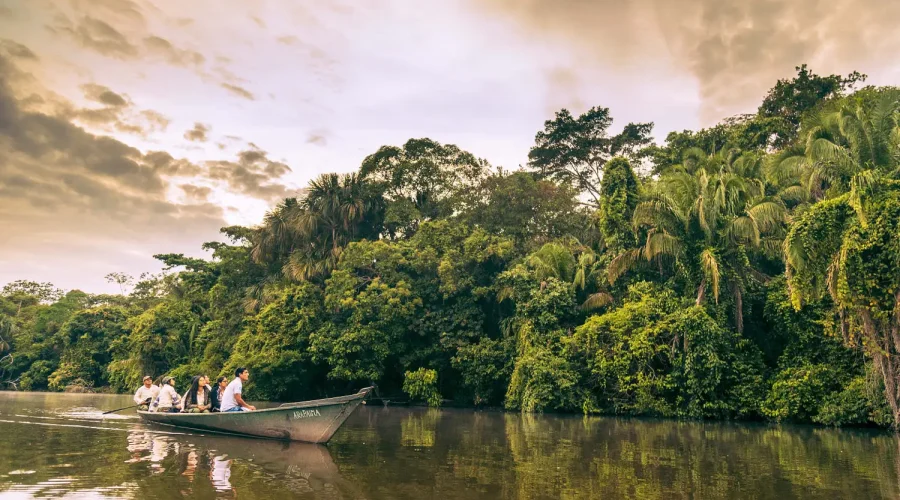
[(145, 394), (231, 398)]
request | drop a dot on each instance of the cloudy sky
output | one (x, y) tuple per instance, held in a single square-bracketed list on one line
[(134, 127)]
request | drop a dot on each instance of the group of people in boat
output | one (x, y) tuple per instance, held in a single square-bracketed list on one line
[(201, 397)]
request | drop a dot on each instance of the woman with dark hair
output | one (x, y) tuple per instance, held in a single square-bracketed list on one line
[(217, 391), (196, 399)]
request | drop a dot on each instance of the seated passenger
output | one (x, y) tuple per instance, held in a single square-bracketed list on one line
[(217, 392), (145, 394), (231, 398), (168, 399), (196, 399)]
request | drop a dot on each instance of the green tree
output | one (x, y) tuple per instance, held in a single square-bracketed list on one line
[(23, 291), (707, 221), (841, 143), (575, 150), (422, 384), (619, 196), (789, 100), (159, 340), (655, 356), (87, 342), (847, 244), (423, 180), (576, 265), (303, 239), (851, 250), (528, 210), (542, 309), (370, 317), (276, 345)]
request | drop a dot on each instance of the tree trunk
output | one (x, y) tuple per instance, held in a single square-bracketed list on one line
[(885, 352), (845, 331), (739, 310), (889, 374), (701, 292)]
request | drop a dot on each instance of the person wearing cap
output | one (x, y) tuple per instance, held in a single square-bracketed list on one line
[(146, 394), (168, 399)]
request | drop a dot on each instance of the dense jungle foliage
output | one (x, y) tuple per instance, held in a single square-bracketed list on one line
[(750, 270)]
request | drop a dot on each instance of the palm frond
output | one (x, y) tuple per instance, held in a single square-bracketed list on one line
[(767, 215), (794, 252), (793, 194), (552, 260), (621, 263), (743, 230), (659, 212), (826, 152), (787, 166), (710, 266), (579, 281), (596, 301), (659, 243), (772, 247)]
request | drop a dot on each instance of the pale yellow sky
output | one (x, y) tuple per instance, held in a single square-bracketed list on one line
[(134, 127)]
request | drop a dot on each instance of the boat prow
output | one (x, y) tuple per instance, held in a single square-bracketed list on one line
[(308, 421)]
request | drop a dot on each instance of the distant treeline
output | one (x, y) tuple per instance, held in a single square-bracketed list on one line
[(750, 270)]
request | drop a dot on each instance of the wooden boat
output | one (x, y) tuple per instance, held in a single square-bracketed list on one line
[(308, 421)]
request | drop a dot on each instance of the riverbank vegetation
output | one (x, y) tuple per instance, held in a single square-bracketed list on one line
[(749, 270)]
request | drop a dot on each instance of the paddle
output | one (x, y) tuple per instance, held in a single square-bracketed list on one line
[(120, 409)]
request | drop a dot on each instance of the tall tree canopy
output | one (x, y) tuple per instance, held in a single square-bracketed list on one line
[(789, 100), (574, 150), (422, 180)]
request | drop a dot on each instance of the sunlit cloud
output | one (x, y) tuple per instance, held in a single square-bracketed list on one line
[(147, 124)]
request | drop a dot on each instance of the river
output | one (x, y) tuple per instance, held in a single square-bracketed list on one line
[(58, 445)]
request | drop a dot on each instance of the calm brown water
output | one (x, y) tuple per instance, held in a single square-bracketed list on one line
[(57, 445)]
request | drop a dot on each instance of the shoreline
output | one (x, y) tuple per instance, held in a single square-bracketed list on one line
[(563, 415)]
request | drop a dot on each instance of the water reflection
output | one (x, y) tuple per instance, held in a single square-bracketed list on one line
[(49, 449), (221, 472), (197, 463), (418, 429)]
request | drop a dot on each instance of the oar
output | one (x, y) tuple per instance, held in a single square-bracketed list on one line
[(120, 409)]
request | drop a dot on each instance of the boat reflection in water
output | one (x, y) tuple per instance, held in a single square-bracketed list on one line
[(206, 463)]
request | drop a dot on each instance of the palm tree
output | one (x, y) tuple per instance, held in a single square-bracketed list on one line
[(706, 219), (304, 238), (554, 260), (839, 143), (846, 244), (278, 236)]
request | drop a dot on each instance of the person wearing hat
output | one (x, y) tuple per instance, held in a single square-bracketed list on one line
[(168, 399), (146, 394)]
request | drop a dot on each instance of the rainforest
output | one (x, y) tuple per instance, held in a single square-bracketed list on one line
[(750, 270)]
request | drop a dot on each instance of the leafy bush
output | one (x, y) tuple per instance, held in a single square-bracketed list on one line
[(796, 393), (849, 406), (860, 402), (422, 385), (543, 380), (485, 368)]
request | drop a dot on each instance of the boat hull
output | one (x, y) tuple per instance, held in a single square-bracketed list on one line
[(309, 421)]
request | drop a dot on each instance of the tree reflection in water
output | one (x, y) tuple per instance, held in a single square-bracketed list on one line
[(425, 453), (469, 454)]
